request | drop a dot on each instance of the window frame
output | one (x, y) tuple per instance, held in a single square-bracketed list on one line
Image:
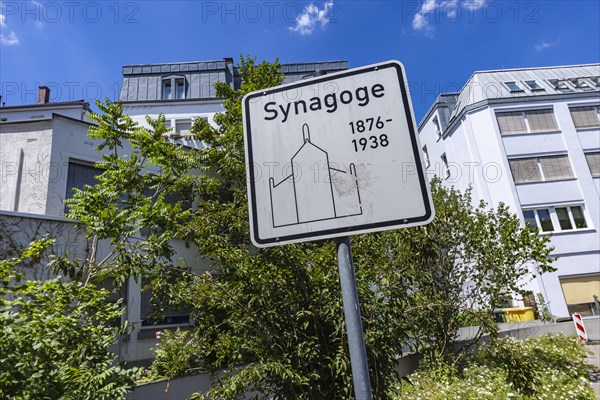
[(172, 81), (556, 84), (588, 153), (438, 129), (166, 83), (180, 121), (554, 219), (580, 106), (537, 87), (538, 164), (516, 88), (426, 157), (446, 170), (581, 84), (525, 119), (69, 189)]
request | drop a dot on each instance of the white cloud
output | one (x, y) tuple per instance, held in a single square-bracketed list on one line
[(420, 21), (474, 4), (544, 45), (9, 40), (311, 17), (449, 10), (38, 24)]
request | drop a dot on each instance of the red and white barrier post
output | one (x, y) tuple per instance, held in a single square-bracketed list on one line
[(579, 327)]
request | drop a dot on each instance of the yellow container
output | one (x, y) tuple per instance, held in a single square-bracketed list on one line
[(519, 314)]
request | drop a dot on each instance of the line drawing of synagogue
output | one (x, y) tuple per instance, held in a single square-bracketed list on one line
[(336, 195)]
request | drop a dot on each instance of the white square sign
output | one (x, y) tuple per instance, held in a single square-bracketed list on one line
[(333, 156)]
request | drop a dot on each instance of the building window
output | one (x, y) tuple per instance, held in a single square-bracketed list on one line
[(529, 217), (578, 217), (151, 316), (556, 219), (593, 160), (173, 88), (541, 121), (183, 127), (166, 89), (585, 117), (446, 170), (438, 131), (531, 121), (511, 122), (426, 157), (545, 220), (560, 85), (179, 89), (581, 84), (563, 219), (539, 169), (513, 87), (533, 86), (80, 174)]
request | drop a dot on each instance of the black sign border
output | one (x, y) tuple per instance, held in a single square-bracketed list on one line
[(321, 235)]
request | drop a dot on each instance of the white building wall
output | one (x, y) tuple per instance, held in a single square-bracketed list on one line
[(13, 114), (173, 111), (25, 151), (477, 150)]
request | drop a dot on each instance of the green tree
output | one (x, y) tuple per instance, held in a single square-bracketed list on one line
[(55, 337), (465, 264), (273, 318), (140, 202)]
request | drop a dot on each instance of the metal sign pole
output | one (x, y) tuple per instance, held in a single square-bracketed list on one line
[(356, 340)]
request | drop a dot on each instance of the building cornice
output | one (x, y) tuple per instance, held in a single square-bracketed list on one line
[(515, 100), (60, 105), (212, 100)]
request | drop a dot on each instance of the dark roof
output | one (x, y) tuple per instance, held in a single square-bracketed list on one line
[(143, 83), (82, 103), (195, 66)]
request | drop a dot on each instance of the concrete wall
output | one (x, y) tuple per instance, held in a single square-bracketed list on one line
[(34, 163), (17, 230), (176, 389), (26, 172)]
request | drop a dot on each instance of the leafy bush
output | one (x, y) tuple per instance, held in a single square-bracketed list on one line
[(176, 354), (535, 364), (55, 338), (481, 383), (544, 367)]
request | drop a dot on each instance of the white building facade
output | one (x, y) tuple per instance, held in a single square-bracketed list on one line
[(530, 138)]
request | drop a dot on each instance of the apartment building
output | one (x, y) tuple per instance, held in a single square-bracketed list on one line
[(530, 138), (45, 153)]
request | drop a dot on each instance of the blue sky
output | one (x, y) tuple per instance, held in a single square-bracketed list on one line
[(78, 47)]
